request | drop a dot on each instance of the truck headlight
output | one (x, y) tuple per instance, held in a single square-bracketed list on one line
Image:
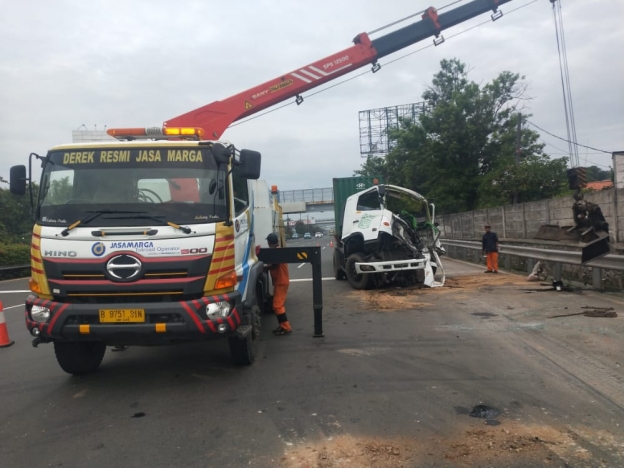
[(40, 314), (218, 309)]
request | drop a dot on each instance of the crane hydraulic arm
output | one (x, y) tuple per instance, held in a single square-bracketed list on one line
[(216, 117)]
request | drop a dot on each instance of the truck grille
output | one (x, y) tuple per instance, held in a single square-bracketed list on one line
[(160, 280)]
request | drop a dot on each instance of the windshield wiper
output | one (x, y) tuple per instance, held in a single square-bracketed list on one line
[(184, 229), (93, 215)]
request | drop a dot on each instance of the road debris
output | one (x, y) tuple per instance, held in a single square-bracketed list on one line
[(605, 312)]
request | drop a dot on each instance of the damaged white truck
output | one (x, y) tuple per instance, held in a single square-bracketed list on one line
[(385, 234)]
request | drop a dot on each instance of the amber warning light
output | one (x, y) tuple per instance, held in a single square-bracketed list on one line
[(194, 133)]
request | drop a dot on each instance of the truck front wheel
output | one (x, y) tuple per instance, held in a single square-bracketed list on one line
[(79, 357), (357, 281), (244, 351)]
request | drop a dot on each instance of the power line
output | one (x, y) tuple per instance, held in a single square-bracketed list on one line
[(370, 71), (567, 153), (568, 141), (565, 83)]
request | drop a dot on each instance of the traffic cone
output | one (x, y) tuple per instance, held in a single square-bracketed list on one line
[(5, 342), (331, 243)]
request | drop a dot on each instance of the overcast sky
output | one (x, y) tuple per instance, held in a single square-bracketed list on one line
[(138, 63)]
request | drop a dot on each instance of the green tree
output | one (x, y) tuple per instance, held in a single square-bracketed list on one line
[(534, 178), (15, 216), (300, 227), (468, 131), (374, 166), (594, 173)]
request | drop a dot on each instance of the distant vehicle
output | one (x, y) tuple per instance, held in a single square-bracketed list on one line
[(307, 235), (295, 236), (318, 234)]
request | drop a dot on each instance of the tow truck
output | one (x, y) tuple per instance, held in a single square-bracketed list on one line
[(151, 239)]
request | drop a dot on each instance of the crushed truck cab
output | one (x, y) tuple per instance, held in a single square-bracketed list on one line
[(379, 245)]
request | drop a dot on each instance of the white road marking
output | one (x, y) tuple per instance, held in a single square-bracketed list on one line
[(301, 280), (13, 307), (324, 248), (15, 292), (301, 265)]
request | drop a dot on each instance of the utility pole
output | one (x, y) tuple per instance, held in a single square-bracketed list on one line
[(517, 150)]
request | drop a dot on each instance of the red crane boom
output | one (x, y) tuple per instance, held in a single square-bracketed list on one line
[(216, 117)]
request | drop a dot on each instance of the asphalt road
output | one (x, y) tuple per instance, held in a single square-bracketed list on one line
[(391, 384)]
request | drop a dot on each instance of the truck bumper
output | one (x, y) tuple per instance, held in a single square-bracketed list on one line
[(164, 323), (391, 266)]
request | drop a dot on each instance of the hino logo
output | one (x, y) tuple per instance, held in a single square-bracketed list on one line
[(360, 185), (60, 253), (123, 267)]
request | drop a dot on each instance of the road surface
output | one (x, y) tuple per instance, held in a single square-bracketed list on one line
[(392, 384)]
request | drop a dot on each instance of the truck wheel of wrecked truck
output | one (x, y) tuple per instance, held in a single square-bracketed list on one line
[(357, 281), (339, 274), (79, 357), (244, 350)]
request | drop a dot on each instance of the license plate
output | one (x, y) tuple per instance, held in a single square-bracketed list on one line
[(122, 315)]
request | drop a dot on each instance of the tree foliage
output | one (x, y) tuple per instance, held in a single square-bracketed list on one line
[(461, 152), (594, 173), (15, 217)]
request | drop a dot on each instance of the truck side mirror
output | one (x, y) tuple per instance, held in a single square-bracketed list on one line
[(249, 164), (17, 182)]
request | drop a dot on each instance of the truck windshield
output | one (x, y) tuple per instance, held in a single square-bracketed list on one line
[(180, 184)]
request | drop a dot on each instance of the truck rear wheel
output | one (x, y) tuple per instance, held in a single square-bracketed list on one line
[(339, 273), (357, 281), (79, 357), (244, 351)]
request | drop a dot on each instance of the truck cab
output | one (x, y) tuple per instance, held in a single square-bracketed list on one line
[(142, 242), (388, 235)]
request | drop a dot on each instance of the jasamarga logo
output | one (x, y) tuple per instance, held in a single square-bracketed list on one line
[(132, 245)]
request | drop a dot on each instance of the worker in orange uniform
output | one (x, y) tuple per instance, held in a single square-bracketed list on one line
[(489, 244), (281, 280)]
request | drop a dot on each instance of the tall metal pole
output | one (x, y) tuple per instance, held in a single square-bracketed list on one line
[(517, 151)]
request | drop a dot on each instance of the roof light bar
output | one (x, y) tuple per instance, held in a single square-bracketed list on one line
[(194, 133)]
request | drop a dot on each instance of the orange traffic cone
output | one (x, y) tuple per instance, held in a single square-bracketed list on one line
[(331, 243), (5, 342)]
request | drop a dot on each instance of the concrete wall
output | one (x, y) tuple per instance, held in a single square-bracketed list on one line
[(522, 221)]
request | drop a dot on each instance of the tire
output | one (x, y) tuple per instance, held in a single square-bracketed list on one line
[(357, 281), (339, 273), (244, 351), (79, 357)]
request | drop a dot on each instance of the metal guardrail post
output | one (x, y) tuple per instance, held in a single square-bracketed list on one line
[(557, 271), (507, 262), (597, 278), (530, 265)]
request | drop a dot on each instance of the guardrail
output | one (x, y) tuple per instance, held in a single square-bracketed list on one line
[(14, 267), (558, 257)]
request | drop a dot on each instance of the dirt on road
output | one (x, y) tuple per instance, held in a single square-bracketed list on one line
[(511, 444)]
